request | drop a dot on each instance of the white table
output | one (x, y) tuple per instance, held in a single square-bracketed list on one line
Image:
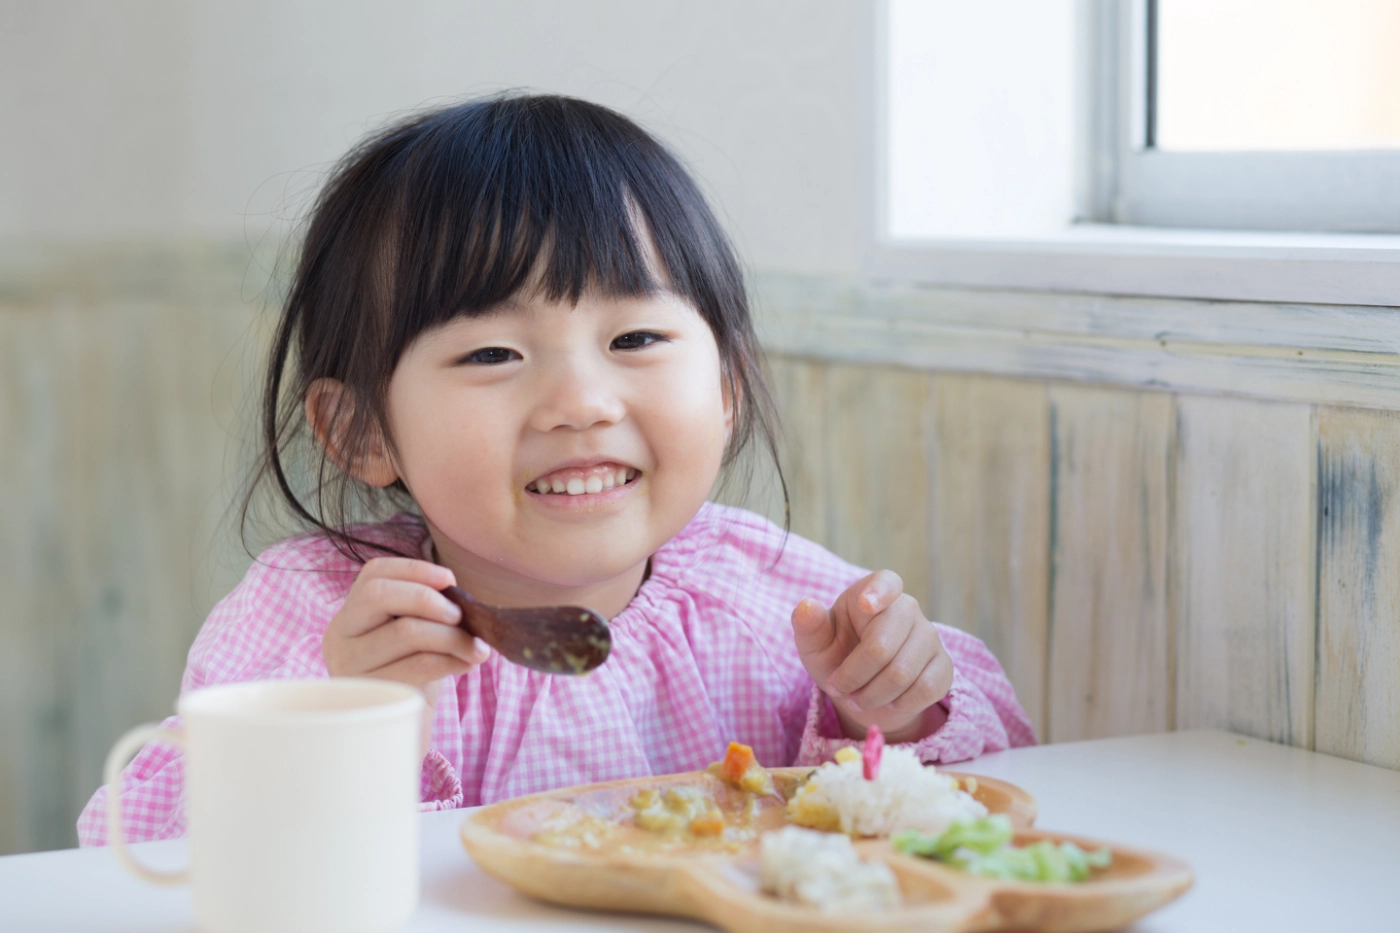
[(1281, 839)]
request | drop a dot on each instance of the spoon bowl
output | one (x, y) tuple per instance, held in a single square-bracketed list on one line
[(567, 640)]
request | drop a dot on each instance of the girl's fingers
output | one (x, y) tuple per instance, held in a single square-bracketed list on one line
[(379, 599), (879, 592), (867, 598), (918, 653), (931, 686), (818, 639), (406, 636), (425, 572), (422, 669), (879, 643)]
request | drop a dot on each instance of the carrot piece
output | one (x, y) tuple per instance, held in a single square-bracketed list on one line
[(736, 761), (708, 824)]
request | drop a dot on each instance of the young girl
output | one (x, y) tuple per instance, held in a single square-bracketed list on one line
[(516, 323)]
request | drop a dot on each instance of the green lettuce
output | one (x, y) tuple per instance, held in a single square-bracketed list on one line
[(983, 847)]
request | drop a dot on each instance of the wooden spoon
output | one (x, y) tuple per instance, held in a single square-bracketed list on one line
[(553, 639)]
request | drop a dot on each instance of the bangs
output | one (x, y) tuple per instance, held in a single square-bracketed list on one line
[(545, 195)]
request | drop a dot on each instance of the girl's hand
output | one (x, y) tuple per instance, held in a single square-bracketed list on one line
[(877, 657), (395, 625)]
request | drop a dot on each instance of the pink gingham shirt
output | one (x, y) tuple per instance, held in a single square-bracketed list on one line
[(703, 654)]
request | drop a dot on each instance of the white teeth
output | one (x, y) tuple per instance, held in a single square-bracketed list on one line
[(578, 486)]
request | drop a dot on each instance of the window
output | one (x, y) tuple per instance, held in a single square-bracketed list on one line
[(1252, 114), (1227, 149)]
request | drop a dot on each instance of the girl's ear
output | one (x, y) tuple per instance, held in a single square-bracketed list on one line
[(330, 411)]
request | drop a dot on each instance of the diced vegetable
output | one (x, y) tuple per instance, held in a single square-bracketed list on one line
[(982, 836), (870, 755), (736, 761), (708, 824), (983, 847)]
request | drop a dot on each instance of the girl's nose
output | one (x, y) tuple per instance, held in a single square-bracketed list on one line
[(577, 396)]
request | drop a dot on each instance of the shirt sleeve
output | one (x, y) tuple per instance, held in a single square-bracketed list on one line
[(268, 628), (152, 785), (983, 713), (441, 787)]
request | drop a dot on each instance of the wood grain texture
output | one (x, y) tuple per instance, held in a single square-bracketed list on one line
[(1310, 353), (806, 300), (1358, 615), (1243, 557), (801, 393), (878, 461), (1110, 474), (991, 522), (119, 460), (36, 600)]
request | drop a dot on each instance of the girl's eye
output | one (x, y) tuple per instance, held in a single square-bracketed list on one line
[(637, 339), (490, 356)]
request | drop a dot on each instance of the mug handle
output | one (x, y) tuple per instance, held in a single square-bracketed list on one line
[(127, 746)]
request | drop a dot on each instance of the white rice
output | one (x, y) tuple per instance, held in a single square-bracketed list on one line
[(905, 795), (823, 870)]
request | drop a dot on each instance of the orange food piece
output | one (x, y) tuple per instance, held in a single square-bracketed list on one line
[(710, 824), (736, 761)]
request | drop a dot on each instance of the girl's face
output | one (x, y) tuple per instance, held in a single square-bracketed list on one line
[(553, 448)]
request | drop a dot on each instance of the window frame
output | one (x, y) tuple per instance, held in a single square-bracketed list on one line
[(1343, 191), (1094, 255)]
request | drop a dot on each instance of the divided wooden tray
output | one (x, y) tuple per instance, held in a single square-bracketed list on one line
[(721, 888)]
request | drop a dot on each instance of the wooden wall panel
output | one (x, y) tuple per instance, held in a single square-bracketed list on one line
[(799, 391), (155, 474), (1358, 649), (1244, 549), (878, 470), (799, 387), (1109, 640), (120, 464), (36, 590), (991, 522)]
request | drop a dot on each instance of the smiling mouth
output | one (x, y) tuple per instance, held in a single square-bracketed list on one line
[(577, 481)]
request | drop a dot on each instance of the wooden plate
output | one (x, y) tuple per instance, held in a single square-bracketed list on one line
[(718, 883)]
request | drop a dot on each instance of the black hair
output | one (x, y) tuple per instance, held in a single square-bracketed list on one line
[(450, 213)]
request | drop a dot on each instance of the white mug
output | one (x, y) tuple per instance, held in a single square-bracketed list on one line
[(302, 804)]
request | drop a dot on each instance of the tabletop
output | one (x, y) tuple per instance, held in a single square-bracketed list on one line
[(1280, 839)]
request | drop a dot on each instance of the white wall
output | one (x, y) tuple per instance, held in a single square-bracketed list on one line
[(166, 119)]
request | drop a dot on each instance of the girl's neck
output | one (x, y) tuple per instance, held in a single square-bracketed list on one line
[(487, 583)]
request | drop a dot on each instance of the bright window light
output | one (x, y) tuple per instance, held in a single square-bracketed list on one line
[(1282, 75), (980, 118)]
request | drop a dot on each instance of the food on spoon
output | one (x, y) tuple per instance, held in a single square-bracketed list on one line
[(904, 795), (742, 769), (983, 847), (823, 870)]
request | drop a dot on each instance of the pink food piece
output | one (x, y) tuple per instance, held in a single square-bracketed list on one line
[(870, 755)]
